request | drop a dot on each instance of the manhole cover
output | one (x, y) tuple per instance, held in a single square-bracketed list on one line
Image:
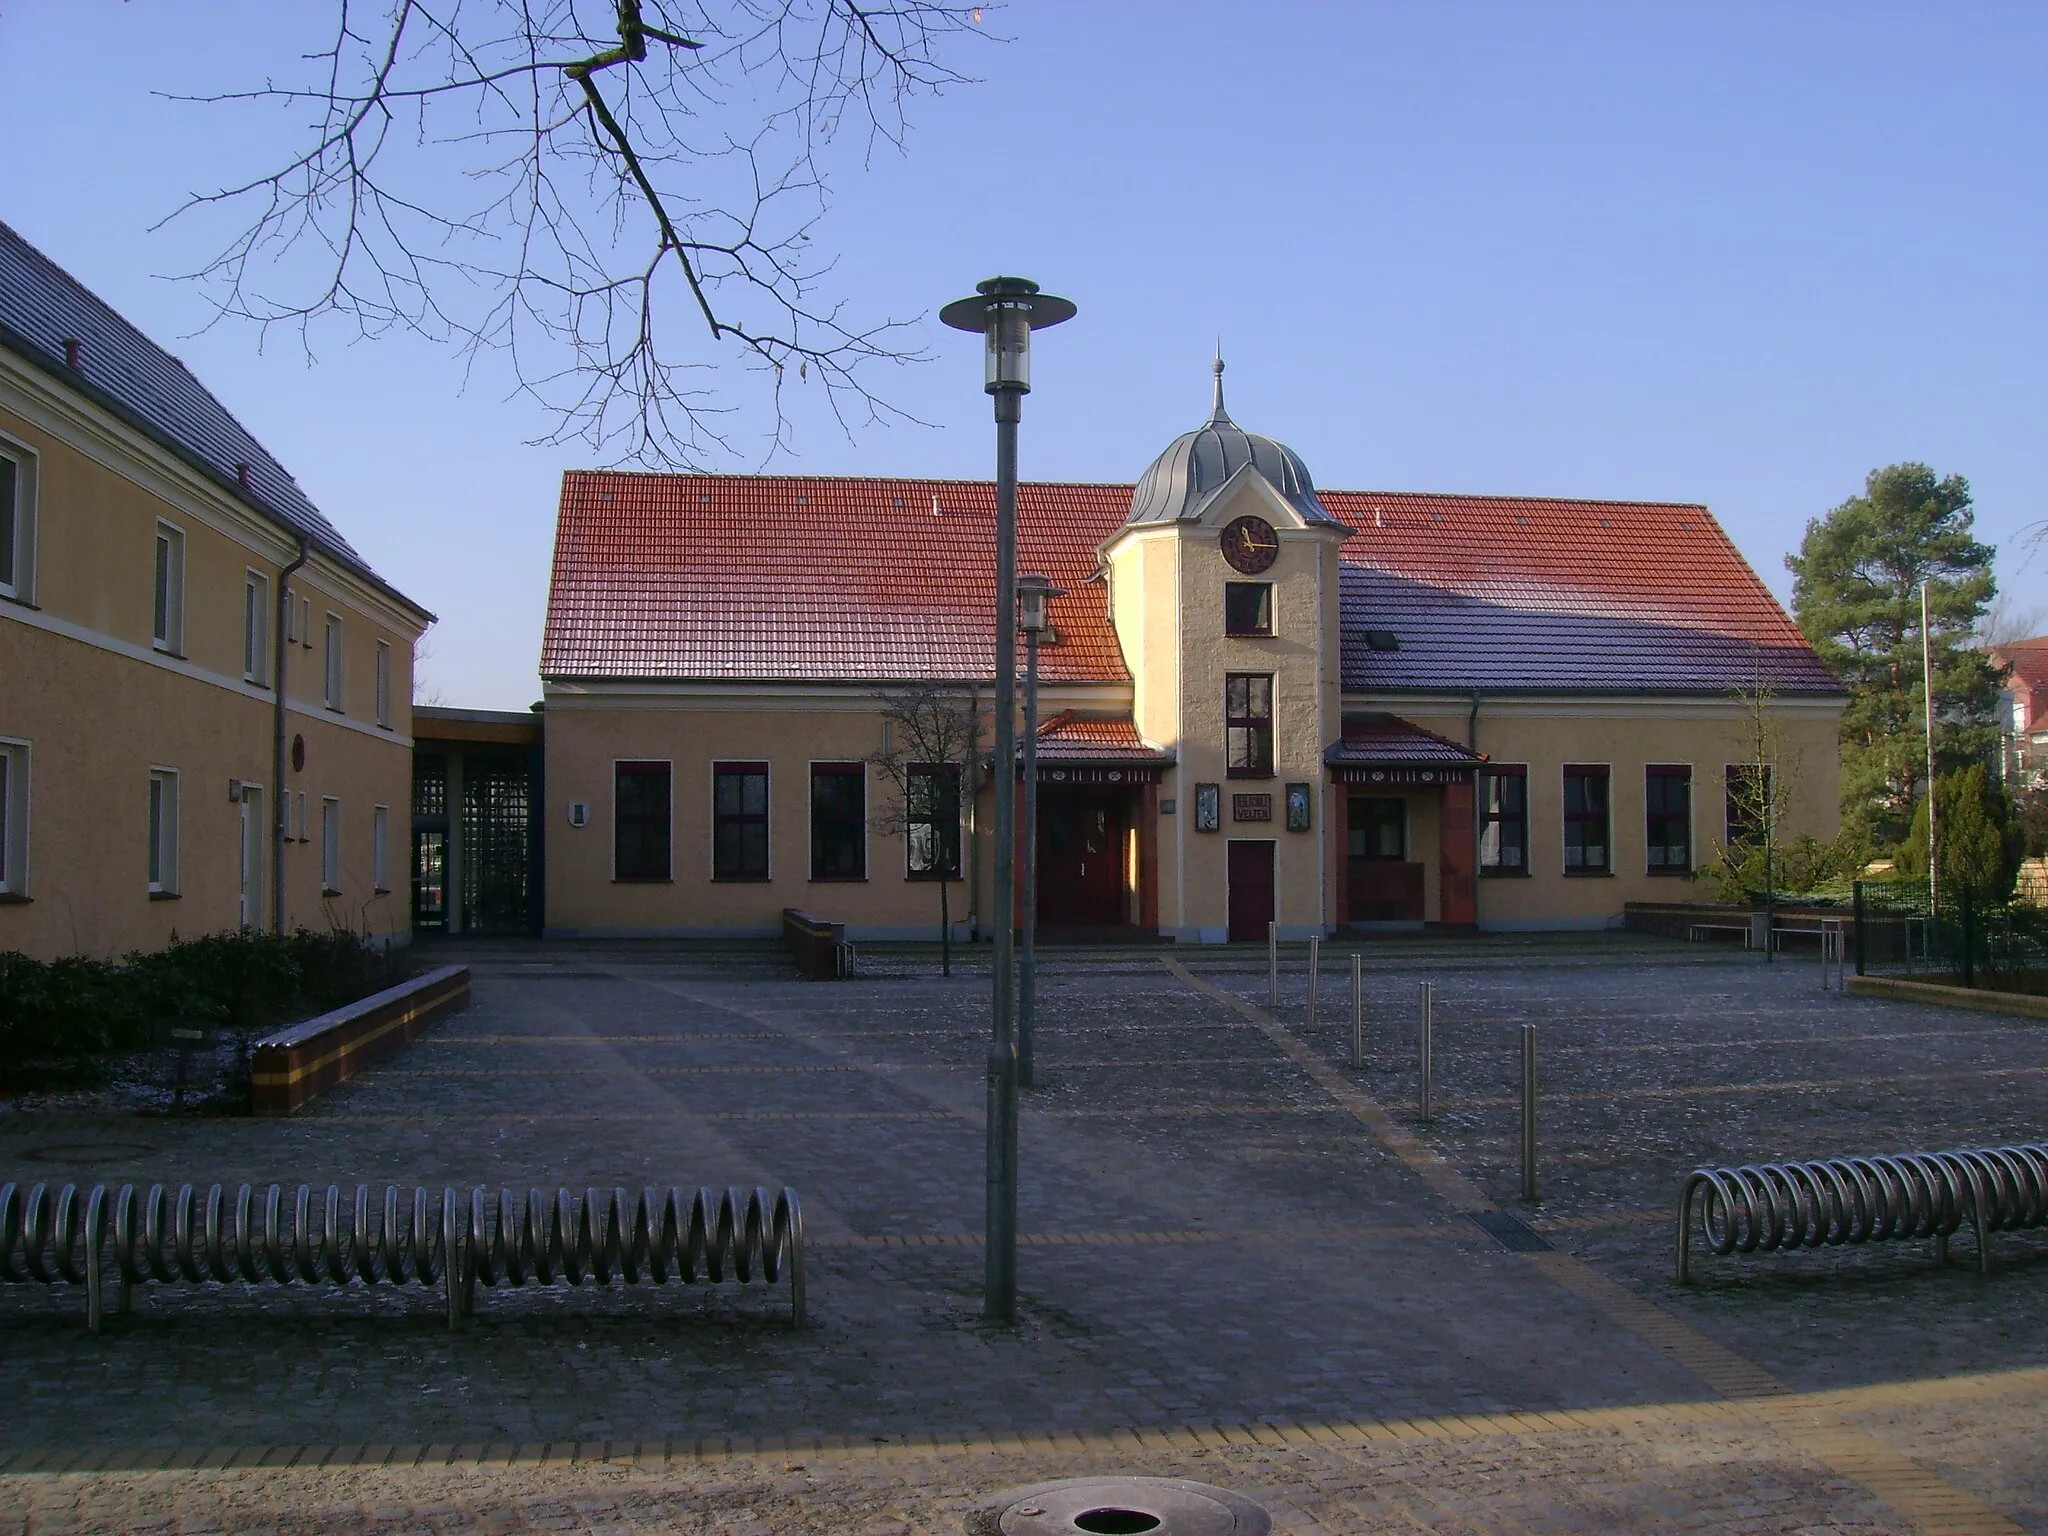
[(1119, 1506), (88, 1152)]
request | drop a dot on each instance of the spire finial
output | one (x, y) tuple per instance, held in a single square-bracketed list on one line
[(1217, 415)]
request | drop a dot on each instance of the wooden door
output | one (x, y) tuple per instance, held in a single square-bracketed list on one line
[(1080, 858), (1251, 891)]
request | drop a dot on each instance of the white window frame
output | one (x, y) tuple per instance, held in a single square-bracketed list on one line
[(162, 831), (255, 627), (305, 834), (330, 845), (333, 676), (384, 684), (167, 588), (22, 585), (14, 792), (380, 850)]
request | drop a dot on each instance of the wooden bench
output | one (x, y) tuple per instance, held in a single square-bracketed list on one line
[(304, 1060), (820, 949)]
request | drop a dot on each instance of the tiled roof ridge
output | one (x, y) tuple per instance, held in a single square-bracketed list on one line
[(1496, 497)]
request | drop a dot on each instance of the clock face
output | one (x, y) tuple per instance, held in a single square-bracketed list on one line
[(1250, 545)]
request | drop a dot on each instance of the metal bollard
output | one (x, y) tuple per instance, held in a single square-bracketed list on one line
[(1529, 1113), (1358, 1013), (1833, 950), (1272, 965), (1315, 971), (1426, 1050)]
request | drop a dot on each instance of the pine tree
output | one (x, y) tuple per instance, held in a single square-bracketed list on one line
[(1856, 594), (1976, 849)]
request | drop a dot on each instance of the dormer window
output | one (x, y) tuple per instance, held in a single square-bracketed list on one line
[(1248, 608)]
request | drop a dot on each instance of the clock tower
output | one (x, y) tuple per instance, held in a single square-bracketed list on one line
[(1224, 589)]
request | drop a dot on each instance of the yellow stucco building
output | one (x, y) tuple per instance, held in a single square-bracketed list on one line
[(160, 574), (1260, 702)]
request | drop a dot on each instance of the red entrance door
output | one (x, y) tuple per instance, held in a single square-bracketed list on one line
[(1080, 858), (1251, 891)]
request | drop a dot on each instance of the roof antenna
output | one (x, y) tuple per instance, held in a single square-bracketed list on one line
[(1218, 417)]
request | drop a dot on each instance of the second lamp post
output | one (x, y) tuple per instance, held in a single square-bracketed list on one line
[(1005, 310), (1034, 594)]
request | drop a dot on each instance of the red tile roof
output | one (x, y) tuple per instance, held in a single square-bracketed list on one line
[(769, 577), (779, 577), (1071, 738), (1390, 739), (1503, 592)]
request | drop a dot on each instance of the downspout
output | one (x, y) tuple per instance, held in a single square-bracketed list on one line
[(1478, 810), (281, 822)]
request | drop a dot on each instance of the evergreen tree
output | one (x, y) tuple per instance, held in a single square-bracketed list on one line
[(1976, 846), (1856, 594)]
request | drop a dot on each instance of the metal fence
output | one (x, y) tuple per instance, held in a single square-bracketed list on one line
[(451, 1239), (1956, 936)]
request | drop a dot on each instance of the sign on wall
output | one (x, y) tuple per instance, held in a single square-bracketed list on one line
[(1251, 807), (1208, 807), (1297, 807)]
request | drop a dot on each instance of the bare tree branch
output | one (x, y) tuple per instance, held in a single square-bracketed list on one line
[(542, 178)]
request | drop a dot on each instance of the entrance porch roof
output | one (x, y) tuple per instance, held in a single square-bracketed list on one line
[(1388, 741)]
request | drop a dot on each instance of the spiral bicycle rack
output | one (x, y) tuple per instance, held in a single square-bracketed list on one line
[(74, 1236), (1902, 1196)]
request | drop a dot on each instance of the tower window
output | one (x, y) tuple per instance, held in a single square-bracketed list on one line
[(1248, 725), (1248, 608)]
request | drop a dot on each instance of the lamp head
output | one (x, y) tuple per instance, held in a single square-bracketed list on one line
[(1006, 310), (1034, 596)]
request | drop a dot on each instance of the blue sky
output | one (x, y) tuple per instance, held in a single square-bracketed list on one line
[(1732, 254)]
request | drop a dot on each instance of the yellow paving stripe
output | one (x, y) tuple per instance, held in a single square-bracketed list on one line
[(1811, 1419), (1898, 1480)]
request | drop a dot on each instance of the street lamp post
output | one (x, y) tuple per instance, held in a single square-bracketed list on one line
[(1005, 310), (1034, 593)]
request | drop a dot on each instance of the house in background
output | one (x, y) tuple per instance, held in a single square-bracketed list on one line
[(1262, 703), (2023, 707), (170, 601)]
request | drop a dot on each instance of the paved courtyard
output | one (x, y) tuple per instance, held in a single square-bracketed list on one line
[(1243, 1261)]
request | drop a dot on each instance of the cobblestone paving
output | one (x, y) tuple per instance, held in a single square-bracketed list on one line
[(1219, 1230)]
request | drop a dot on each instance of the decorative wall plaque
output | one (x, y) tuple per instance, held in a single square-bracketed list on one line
[(1297, 807), (1208, 807), (1251, 807)]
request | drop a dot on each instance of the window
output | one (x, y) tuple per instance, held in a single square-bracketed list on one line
[(1749, 802), (17, 523), (839, 821), (1504, 820), (1585, 819), (640, 817), (333, 660), (380, 849), (1247, 608), (1667, 817), (255, 627), (933, 816), (168, 627), (330, 846), (13, 818), (1248, 725), (384, 684), (739, 821), (163, 832), (1378, 827)]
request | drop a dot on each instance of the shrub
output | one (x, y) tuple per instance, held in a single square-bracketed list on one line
[(61, 1020)]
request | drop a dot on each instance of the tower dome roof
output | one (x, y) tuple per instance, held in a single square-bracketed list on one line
[(1186, 477)]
